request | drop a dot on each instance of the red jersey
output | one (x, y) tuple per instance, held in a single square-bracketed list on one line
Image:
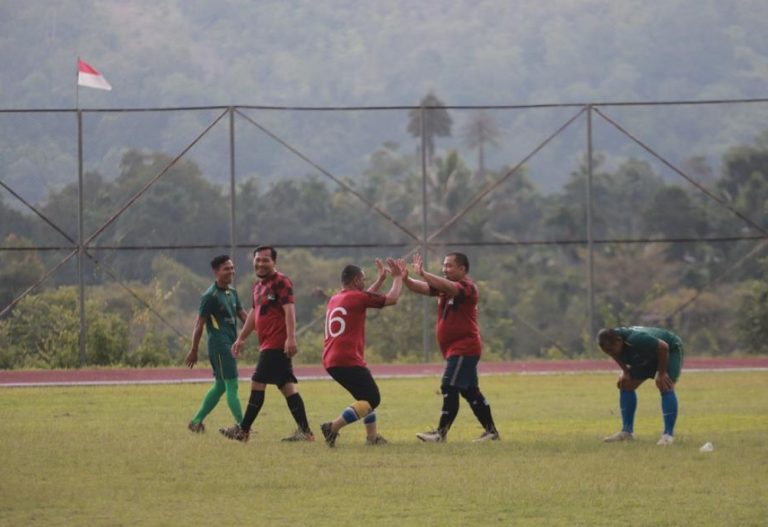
[(345, 327), (269, 297), (457, 329)]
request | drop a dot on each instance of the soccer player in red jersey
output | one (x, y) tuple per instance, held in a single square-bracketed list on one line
[(273, 317), (459, 338), (343, 351)]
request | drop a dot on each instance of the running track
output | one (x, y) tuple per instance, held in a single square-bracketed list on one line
[(201, 373)]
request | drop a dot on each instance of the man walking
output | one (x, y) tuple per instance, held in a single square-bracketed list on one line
[(273, 317), (219, 307)]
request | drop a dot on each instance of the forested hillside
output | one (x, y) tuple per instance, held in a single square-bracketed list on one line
[(342, 52), (679, 222)]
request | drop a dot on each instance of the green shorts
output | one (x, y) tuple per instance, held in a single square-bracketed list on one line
[(223, 363), (675, 366), (648, 369)]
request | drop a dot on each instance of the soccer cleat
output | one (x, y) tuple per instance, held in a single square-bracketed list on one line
[(329, 435), (433, 436), (619, 436), (299, 435), (197, 428), (378, 440), (235, 433), (666, 439), (487, 436)]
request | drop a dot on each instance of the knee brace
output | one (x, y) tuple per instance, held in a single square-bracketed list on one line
[(361, 408)]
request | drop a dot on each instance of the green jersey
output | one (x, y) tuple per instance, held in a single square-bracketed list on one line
[(219, 308), (640, 351)]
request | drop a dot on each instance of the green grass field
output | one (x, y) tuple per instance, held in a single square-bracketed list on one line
[(122, 456)]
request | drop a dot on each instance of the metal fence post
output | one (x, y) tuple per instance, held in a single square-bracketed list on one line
[(425, 341), (590, 234), (80, 237), (232, 215)]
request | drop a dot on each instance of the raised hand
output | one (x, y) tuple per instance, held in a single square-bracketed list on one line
[(396, 267), (380, 269), (418, 264)]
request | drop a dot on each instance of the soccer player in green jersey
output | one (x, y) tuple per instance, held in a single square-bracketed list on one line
[(218, 313), (644, 353)]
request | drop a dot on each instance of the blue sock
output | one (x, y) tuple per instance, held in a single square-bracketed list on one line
[(628, 405), (370, 418), (669, 410), (349, 415)]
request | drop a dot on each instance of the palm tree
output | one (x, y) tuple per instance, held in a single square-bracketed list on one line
[(438, 122), (480, 130)]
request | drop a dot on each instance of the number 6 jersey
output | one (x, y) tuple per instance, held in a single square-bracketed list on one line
[(345, 327)]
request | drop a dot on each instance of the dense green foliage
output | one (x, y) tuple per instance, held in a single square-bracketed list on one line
[(534, 297)]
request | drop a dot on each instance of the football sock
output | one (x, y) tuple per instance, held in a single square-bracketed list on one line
[(209, 401), (480, 407), (296, 406), (669, 411), (233, 401), (450, 408), (255, 402), (628, 405), (349, 415)]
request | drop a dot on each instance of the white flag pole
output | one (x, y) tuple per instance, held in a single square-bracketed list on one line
[(80, 229), (77, 84)]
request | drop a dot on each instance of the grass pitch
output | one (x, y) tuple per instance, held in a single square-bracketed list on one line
[(122, 456)]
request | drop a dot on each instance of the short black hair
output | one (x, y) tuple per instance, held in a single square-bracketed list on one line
[(219, 261), (461, 260), (269, 248), (605, 336), (349, 273)]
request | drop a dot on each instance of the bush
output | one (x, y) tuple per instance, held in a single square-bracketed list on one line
[(752, 325)]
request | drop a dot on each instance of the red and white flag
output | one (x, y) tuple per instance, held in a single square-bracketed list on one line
[(88, 76)]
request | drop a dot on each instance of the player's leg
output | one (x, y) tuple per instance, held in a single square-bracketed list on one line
[(450, 407), (242, 430), (465, 378), (233, 401), (282, 375), (228, 366), (295, 404), (211, 398), (360, 384), (209, 403), (669, 397), (628, 406), (482, 410)]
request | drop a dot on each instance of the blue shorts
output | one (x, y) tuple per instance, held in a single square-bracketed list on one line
[(461, 372)]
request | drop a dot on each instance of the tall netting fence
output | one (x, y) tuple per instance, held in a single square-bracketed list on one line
[(574, 217)]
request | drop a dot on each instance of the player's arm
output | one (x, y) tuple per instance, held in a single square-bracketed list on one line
[(290, 328), (191, 358), (417, 286), (242, 314), (248, 327), (381, 275), (433, 281), (397, 268), (663, 381)]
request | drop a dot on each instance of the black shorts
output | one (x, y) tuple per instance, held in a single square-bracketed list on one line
[(358, 381), (461, 372), (274, 367)]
